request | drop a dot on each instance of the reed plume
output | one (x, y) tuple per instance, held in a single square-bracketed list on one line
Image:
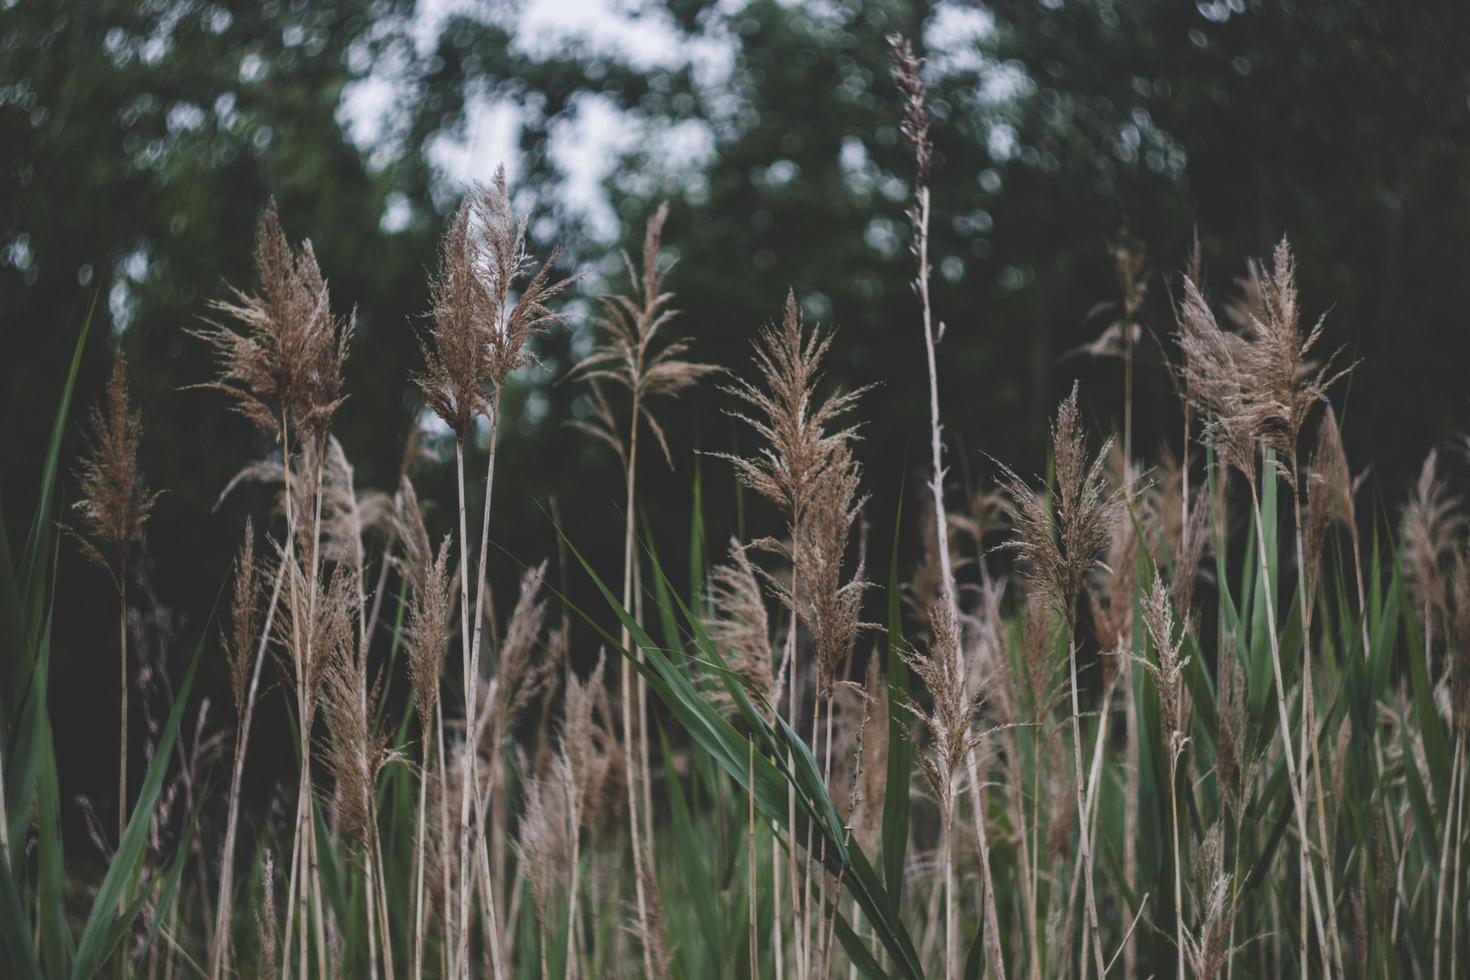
[(490, 300), (1058, 544), (111, 511), (952, 738), (803, 435), (631, 354)]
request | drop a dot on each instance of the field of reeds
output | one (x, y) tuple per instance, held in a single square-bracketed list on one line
[(1198, 709)]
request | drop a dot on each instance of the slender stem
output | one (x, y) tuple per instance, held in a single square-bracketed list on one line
[(1090, 925), (1178, 857), (122, 743), (1456, 777), (1457, 911), (467, 787), (750, 886), (122, 716), (384, 925), (951, 884), (419, 936), (632, 721), (798, 911), (572, 944), (1311, 764), (1285, 720), (474, 673), (221, 952), (370, 893)]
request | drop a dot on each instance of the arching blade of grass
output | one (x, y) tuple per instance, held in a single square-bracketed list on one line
[(34, 556), (104, 923)]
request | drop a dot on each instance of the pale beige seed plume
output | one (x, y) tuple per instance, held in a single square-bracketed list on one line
[(905, 68), (950, 720), (832, 605), (347, 514), (1059, 540), (357, 748), (429, 626), (740, 624), (801, 431), (1260, 383), (1429, 524), (1213, 372), (630, 352), (1232, 737), (1110, 586), (456, 348), (585, 745), (1329, 489), (1459, 658), (542, 841), (267, 939), (244, 618), (1286, 383), (865, 812), (1168, 672), (519, 290), (280, 350), (309, 635), (114, 504), (520, 677)]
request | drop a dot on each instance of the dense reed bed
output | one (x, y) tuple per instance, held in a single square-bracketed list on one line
[(1191, 710)]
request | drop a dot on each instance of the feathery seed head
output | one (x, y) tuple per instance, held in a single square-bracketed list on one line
[(740, 624), (627, 355), (244, 618), (800, 429), (1060, 540), (283, 357), (1428, 526), (905, 67), (114, 503)]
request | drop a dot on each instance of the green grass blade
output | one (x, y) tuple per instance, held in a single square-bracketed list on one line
[(92, 947)]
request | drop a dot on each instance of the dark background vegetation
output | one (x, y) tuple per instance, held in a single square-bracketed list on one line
[(139, 141)]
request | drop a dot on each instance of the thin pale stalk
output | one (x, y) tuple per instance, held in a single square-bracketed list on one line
[(750, 886), (1285, 720), (1457, 911), (473, 678), (460, 965), (122, 744), (1178, 857), (1311, 764), (122, 717), (951, 884), (371, 895), (447, 951), (574, 946), (1090, 926), (382, 899), (221, 951), (1456, 777), (632, 717), (419, 935)]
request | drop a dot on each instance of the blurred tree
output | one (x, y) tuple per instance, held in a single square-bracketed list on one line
[(139, 140)]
